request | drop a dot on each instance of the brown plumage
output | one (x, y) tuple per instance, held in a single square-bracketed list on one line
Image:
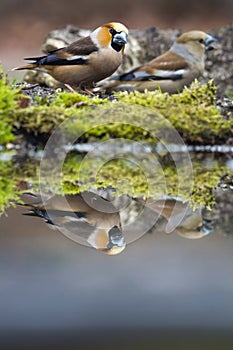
[(181, 218), (87, 60), (170, 72), (86, 218)]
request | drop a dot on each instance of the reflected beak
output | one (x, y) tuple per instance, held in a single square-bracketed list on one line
[(110, 241), (116, 242)]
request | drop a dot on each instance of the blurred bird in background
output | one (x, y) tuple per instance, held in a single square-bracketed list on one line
[(87, 60), (87, 218), (170, 72)]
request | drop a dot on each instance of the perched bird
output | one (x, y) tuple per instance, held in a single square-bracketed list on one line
[(87, 60), (170, 72), (86, 218)]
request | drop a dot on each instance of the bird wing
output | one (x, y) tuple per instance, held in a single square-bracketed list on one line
[(167, 66), (81, 47), (76, 53)]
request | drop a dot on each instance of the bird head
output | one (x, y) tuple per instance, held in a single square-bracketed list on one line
[(112, 34), (193, 225), (195, 233), (110, 241), (116, 242), (196, 41)]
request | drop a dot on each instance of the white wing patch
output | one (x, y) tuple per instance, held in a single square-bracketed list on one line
[(169, 73), (77, 57), (163, 74), (74, 219)]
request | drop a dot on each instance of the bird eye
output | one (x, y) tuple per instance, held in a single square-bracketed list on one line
[(112, 31), (201, 41)]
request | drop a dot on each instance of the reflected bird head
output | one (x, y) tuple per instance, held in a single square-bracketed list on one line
[(111, 242)]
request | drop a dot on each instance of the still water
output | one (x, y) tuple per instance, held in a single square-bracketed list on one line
[(171, 286)]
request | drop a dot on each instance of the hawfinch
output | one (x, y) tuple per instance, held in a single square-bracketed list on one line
[(181, 218), (87, 218), (170, 72), (87, 60)]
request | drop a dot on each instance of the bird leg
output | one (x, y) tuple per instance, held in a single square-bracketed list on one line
[(88, 92), (69, 88), (82, 90)]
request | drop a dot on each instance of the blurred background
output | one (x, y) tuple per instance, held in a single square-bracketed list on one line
[(25, 23)]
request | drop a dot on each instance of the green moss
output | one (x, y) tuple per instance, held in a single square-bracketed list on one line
[(146, 118), (70, 99), (206, 181), (123, 175), (8, 186), (44, 117), (131, 180), (101, 121), (38, 119), (142, 178), (8, 104), (192, 113)]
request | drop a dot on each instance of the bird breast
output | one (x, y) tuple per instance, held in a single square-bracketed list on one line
[(106, 61), (100, 65)]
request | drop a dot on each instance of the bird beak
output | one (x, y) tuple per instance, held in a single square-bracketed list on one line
[(208, 41), (116, 242), (207, 227), (120, 38)]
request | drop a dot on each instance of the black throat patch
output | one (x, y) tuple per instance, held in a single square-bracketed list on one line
[(116, 47)]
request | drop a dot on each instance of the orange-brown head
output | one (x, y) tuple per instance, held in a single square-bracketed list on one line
[(113, 35)]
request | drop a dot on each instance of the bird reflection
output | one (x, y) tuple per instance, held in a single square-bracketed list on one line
[(181, 217), (87, 218), (92, 220)]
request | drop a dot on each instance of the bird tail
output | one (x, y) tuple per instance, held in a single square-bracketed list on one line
[(27, 66), (31, 65), (35, 210), (26, 206)]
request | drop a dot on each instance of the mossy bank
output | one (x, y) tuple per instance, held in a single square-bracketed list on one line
[(31, 115)]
